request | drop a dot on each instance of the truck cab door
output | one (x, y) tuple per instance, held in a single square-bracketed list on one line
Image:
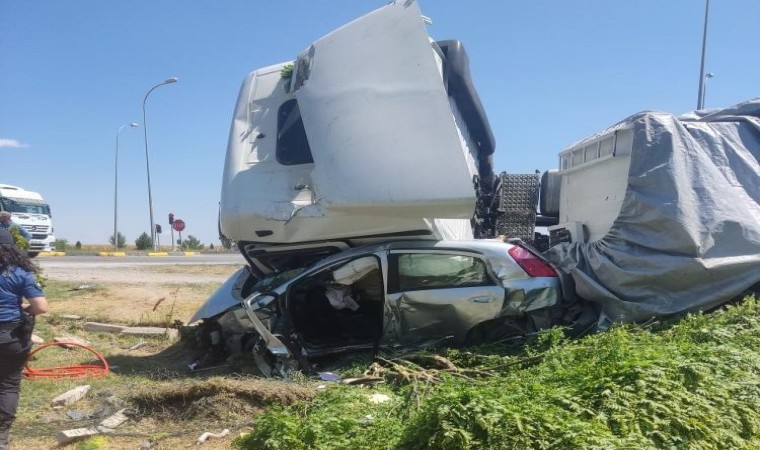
[(378, 120)]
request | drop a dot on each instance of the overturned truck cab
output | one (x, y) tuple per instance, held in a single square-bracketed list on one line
[(374, 132)]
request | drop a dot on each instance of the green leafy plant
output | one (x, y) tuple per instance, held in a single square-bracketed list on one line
[(18, 238), (286, 74), (144, 242), (93, 443), (191, 243)]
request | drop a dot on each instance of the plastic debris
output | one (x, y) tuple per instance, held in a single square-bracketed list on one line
[(202, 438), (329, 376)]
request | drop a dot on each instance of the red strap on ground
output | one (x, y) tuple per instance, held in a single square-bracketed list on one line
[(75, 371)]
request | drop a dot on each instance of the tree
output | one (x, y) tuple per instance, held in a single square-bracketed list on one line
[(122, 242), (144, 242), (191, 243), (78, 245)]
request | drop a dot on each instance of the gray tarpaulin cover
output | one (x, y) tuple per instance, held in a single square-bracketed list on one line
[(688, 234)]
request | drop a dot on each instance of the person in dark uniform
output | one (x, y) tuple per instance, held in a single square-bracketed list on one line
[(17, 281)]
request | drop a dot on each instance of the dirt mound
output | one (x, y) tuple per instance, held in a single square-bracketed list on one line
[(217, 399)]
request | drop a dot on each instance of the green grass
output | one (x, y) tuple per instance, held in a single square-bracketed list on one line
[(689, 384)]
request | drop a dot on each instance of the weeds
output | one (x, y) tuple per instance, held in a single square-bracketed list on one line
[(688, 384)]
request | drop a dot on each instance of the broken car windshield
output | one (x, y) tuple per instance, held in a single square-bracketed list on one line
[(275, 281)]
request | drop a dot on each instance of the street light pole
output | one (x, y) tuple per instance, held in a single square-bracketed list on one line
[(700, 94), (704, 88), (147, 159), (116, 186)]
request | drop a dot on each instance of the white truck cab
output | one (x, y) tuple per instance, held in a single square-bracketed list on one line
[(374, 132), (29, 210)]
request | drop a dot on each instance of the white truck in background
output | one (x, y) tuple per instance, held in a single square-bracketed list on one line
[(29, 210)]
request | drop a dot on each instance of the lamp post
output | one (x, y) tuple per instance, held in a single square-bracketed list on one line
[(704, 88), (147, 159), (116, 186), (701, 93)]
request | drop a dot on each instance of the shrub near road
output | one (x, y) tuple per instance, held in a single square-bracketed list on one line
[(694, 384)]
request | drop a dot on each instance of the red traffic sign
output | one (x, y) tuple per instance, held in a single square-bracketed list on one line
[(178, 225)]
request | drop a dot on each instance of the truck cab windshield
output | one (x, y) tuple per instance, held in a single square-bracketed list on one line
[(24, 206)]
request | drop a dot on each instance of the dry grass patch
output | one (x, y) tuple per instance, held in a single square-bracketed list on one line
[(211, 269), (129, 304)]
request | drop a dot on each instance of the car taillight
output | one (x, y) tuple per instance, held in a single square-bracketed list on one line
[(530, 263)]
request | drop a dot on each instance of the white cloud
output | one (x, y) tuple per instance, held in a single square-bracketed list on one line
[(11, 143)]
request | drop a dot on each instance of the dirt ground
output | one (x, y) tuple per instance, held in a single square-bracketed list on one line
[(168, 404)]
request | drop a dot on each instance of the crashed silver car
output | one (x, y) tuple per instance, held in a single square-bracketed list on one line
[(397, 294)]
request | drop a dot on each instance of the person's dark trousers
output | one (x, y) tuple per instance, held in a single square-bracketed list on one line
[(14, 348)]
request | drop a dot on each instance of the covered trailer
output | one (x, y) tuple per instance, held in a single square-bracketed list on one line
[(660, 215)]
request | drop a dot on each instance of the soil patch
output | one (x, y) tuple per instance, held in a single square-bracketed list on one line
[(217, 399)]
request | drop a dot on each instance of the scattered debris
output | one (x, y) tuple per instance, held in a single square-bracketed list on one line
[(77, 415), (172, 333), (83, 287), (114, 400), (37, 340), (66, 436), (71, 340), (202, 438), (103, 411), (158, 302), (378, 398), (96, 327), (70, 317), (72, 396), (425, 368), (329, 376), (363, 380), (113, 421), (106, 426), (136, 346)]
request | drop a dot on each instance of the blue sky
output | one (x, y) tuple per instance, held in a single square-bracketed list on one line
[(549, 73)]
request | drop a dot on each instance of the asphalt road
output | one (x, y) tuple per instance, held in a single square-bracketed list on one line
[(131, 261)]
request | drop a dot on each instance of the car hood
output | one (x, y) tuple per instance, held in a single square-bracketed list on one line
[(227, 296)]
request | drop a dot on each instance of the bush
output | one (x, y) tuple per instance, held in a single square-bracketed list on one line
[(144, 242), (191, 243), (78, 245), (61, 245)]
